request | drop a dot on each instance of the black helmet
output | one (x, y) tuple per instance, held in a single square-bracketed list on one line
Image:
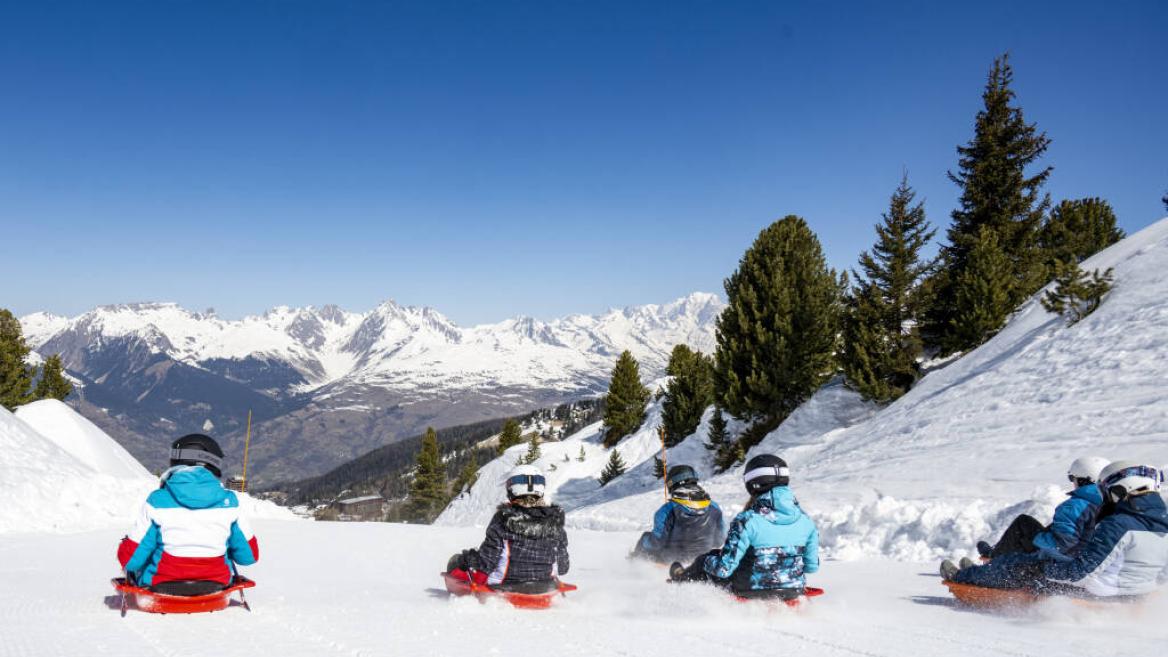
[(197, 449), (680, 474), (764, 472)]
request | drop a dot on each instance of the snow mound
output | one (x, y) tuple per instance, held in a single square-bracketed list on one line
[(78, 436), (953, 461)]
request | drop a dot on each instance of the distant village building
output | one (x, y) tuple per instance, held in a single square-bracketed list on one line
[(366, 507), (236, 483)]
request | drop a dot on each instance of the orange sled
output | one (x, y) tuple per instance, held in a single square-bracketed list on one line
[(461, 587), (161, 603), (983, 597)]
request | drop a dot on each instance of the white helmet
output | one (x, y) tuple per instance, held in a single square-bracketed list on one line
[(525, 481), (1088, 468), (1124, 478)]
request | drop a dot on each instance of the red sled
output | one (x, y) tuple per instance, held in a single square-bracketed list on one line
[(808, 592), (144, 599), (461, 587)]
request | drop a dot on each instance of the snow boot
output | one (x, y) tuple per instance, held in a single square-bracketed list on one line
[(948, 570), (966, 562), (676, 570), (985, 549)]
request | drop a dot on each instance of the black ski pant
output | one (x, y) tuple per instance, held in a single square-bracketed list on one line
[(1019, 537)]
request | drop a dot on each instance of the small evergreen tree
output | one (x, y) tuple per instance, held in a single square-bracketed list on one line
[(996, 195), (624, 408), (511, 436), (615, 468), (717, 431), (778, 335), (428, 491), (688, 394), (533, 451), (1076, 293), (730, 453), (881, 335), (53, 384), (982, 302), (582, 456), (1077, 230), (658, 467), (15, 376), (466, 477)]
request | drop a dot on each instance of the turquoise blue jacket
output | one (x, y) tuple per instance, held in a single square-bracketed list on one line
[(770, 545)]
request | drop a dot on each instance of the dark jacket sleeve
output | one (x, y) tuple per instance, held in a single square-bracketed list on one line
[(562, 561), (493, 545), (1094, 553)]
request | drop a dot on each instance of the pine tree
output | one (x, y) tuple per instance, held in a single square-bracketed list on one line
[(778, 336), (15, 376), (1076, 293), (717, 431), (982, 302), (533, 451), (466, 477), (615, 468), (53, 384), (688, 394), (658, 467), (582, 456), (428, 492), (511, 436), (730, 453), (999, 196), (624, 408), (1077, 230), (881, 335)]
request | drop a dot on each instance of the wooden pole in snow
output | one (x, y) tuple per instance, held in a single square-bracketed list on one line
[(246, 449)]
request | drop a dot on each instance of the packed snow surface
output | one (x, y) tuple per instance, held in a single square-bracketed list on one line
[(78, 436), (374, 590)]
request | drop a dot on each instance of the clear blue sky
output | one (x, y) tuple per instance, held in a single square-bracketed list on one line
[(497, 158)]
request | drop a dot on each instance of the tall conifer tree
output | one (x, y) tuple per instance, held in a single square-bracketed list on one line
[(511, 436), (998, 194), (624, 406), (778, 335), (881, 334), (429, 491), (15, 376)]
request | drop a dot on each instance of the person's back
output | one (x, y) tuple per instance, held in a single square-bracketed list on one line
[(687, 525), (191, 528), (771, 545), (1127, 553), (524, 543), (1074, 520)]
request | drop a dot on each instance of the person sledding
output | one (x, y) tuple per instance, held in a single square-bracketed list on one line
[(1073, 519), (687, 525), (525, 546), (771, 545), (190, 534), (1125, 555)]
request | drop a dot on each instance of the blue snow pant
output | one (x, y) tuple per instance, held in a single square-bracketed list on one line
[(1019, 570)]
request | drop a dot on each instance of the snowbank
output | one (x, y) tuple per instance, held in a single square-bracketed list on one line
[(60, 473), (78, 436), (953, 461)]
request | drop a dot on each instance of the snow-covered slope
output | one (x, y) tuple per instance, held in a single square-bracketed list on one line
[(60, 473), (80, 438), (951, 462)]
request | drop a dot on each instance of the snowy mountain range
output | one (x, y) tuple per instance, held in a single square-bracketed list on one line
[(326, 384)]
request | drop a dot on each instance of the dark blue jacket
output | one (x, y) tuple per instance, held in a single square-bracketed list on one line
[(1073, 521), (524, 544), (1127, 554), (771, 545), (681, 532)]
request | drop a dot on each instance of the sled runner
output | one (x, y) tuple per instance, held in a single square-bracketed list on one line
[(153, 602), (460, 587), (808, 592)]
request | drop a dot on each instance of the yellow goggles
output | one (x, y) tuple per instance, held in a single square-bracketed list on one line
[(693, 504)]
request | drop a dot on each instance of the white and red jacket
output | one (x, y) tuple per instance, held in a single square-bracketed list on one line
[(189, 529)]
